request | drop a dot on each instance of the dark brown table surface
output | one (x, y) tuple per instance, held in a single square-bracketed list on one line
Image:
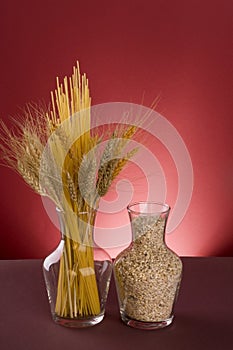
[(203, 313)]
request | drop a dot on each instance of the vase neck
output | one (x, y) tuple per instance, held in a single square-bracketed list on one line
[(78, 226)]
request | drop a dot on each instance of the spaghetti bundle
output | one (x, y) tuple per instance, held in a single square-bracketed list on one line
[(84, 180)]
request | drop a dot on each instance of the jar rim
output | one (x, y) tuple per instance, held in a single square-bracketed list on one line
[(148, 208)]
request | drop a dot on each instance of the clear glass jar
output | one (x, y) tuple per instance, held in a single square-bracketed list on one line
[(147, 273), (77, 274)]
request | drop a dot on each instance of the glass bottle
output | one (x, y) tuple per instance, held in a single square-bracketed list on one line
[(147, 273)]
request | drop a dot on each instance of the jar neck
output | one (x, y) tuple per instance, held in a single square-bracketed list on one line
[(149, 230)]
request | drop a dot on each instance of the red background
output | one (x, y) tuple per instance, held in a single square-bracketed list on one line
[(181, 50)]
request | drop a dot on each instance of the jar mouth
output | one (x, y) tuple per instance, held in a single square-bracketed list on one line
[(148, 208)]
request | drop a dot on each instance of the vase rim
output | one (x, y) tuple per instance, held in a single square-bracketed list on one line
[(148, 208), (61, 211)]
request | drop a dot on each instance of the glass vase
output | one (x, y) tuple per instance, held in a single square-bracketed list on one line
[(77, 274), (147, 273)]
